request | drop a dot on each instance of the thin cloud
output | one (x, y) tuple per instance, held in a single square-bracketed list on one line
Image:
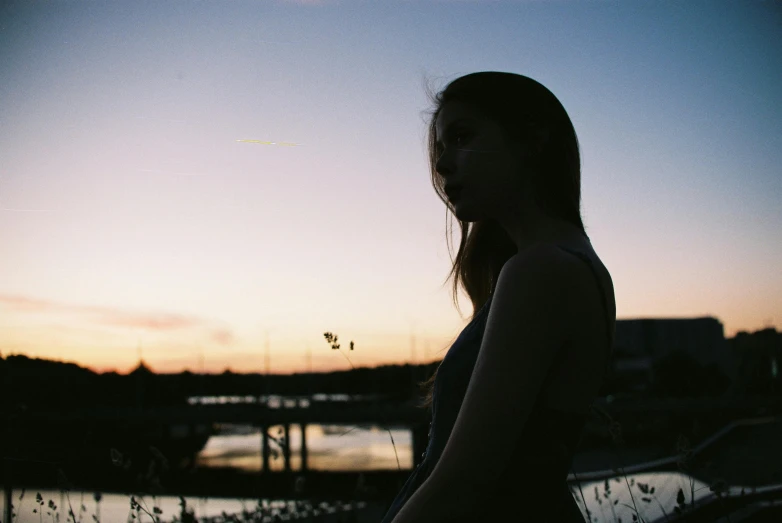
[(24, 304), (149, 321), (154, 321), (12, 209), (223, 336)]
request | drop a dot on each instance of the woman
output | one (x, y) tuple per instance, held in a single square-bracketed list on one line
[(511, 396)]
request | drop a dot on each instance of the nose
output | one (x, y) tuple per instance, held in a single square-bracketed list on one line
[(444, 165)]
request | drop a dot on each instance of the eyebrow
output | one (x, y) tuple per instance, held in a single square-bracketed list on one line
[(451, 124)]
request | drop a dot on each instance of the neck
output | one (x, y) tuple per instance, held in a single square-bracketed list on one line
[(541, 228)]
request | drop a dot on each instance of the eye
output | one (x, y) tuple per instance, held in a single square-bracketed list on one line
[(460, 137), (457, 138)]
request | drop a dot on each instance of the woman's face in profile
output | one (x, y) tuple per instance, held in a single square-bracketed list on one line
[(481, 173)]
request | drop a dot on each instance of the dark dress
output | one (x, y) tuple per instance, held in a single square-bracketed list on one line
[(534, 484)]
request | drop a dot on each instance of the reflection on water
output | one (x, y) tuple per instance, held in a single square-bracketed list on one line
[(653, 494), (276, 401), (114, 508), (329, 447), (357, 448)]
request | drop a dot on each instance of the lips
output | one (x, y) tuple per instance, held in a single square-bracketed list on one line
[(453, 191)]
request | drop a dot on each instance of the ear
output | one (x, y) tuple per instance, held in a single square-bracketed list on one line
[(531, 140), (540, 136)]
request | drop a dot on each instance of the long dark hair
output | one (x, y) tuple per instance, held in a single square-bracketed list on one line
[(530, 113)]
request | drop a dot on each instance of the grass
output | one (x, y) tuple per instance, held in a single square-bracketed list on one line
[(138, 511)]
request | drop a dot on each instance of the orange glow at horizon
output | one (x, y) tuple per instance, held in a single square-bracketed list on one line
[(110, 339)]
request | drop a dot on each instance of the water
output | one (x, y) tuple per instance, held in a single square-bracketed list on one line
[(633, 493), (338, 447), (115, 508), (329, 447), (630, 493)]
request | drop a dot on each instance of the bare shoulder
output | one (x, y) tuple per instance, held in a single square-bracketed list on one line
[(547, 275), (544, 264)]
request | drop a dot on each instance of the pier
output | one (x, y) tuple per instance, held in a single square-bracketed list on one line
[(187, 419)]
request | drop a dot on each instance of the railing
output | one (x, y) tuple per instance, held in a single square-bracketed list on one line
[(244, 413), (658, 464), (382, 412)]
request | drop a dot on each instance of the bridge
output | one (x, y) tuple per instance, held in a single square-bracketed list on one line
[(187, 418)]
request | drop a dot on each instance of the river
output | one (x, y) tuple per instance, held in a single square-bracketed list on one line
[(329, 447)]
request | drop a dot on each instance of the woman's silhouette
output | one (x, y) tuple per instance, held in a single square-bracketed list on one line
[(511, 396)]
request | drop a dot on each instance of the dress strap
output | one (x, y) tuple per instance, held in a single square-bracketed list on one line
[(603, 294)]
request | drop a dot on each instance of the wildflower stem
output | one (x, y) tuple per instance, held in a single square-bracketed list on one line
[(349, 430), (70, 507), (661, 507), (144, 509), (692, 490), (21, 500), (395, 454), (613, 512), (616, 440), (332, 338), (583, 499), (351, 363)]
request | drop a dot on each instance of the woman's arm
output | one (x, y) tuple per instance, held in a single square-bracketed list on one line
[(528, 323), (436, 501)]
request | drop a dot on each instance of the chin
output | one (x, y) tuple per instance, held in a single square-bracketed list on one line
[(466, 214)]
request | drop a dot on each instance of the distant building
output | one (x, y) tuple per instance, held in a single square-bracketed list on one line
[(632, 372), (638, 343), (759, 357)]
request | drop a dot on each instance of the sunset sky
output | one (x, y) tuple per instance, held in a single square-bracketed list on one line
[(132, 213)]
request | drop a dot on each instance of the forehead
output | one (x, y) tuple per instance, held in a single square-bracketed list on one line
[(454, 111)]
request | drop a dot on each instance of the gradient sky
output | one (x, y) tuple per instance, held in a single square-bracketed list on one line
[(131, 214)]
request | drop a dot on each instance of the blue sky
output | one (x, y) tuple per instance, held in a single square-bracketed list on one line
[(129, 211)]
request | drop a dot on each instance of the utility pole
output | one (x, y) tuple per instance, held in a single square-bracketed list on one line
[(413, 358), (140, 377), (413, 368), (8, 490), (202, 369), (309, 372), (268, 365)]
